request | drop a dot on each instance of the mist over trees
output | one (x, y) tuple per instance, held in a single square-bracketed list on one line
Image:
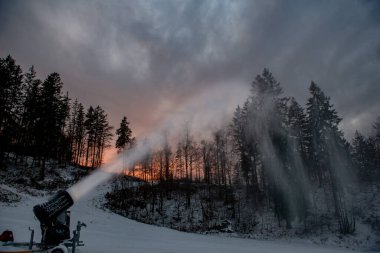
[(38, 120)]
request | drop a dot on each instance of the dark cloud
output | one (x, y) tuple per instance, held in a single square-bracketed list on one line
[(147, 58)]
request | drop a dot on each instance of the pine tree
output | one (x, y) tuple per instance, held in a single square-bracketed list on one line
[(76, 133), (267, 113), (360, 155), (328, 153), (103, 135), (297, 124), (64, 145), (124, 135), (79, 134), (239, 134), (51, 119), (376, 140), (322, 127), (296, 132), (31, 111), (372, 158), (98, 136), (265, 86), (10, 103), (90, 133)]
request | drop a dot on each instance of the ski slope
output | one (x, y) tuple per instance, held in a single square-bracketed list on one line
[(109, 232)]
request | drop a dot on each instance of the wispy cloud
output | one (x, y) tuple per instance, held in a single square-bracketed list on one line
[(141, 58)]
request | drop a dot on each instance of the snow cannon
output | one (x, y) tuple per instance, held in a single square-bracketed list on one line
[(51, 209), (55, 218)]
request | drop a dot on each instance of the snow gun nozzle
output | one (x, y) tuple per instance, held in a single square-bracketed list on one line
[(50, 210)]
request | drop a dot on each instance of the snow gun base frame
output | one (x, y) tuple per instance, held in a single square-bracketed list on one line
[(67, 246)]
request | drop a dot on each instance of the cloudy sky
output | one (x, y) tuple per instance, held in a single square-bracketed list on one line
[(151, 59)]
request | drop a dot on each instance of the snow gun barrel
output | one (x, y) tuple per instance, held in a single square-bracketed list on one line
[(50, 210)]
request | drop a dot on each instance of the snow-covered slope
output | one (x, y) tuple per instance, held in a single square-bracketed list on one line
[(109, 232)]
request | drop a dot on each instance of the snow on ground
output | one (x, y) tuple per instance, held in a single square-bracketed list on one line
[(109, 232)]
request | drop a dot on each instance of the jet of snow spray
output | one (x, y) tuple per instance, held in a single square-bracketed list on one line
[(115, 167), (48, 212)]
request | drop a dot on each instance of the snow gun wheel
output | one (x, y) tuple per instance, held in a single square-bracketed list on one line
[(59, 249)]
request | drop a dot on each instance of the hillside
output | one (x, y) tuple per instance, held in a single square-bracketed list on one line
[(110, 232)]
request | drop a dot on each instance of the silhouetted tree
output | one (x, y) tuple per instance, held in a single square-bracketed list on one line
[(31, 112), (10, 101), (53, 113), (322, 127), (328, 152), (98, 135), (76, 133), (124, 135)]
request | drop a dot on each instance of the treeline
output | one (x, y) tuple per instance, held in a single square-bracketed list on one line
[(366, 153), (274, 156), (38, 119)]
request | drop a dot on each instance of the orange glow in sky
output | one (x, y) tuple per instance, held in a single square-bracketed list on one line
[(109, 155)]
